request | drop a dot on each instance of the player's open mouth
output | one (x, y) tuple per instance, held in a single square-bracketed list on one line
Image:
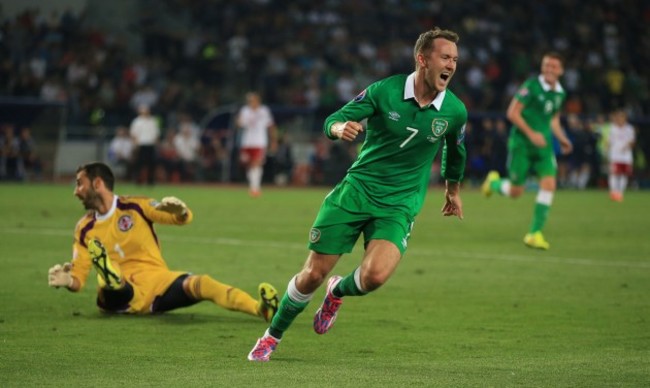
[(445, 76)]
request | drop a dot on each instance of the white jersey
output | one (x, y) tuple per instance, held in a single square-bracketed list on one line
[(620, 140), (255, 124), (187, 146), (121, 147), (145, 130)]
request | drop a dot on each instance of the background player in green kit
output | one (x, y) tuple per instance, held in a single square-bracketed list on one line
[(410, 117), (535, 115)]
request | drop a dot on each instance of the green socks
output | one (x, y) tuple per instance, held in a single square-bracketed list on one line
[(348, 286), (539, 217), (287, 312), (289, 309)]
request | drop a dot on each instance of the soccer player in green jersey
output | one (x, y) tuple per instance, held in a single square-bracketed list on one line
[(535, 115), (409, 118)]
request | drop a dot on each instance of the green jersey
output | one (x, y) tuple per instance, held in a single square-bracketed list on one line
[(541, 103), (402, 139)]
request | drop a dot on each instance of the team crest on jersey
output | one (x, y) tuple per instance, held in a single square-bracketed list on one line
[(125, 223), (393, 116), (314, 235), (439, 127), (360, 96)]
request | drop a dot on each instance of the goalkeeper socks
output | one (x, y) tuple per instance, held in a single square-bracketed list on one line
[(542, 207), (205, 288), (350, 285), (293, 303)]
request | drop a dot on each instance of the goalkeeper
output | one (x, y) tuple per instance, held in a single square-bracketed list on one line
[(117, 238)]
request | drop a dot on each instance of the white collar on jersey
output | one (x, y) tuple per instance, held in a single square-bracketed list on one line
[(109, 213), (546, 86), (409, 92)]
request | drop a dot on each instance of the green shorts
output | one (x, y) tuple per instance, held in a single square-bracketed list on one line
[(523, 159), (346, 213)]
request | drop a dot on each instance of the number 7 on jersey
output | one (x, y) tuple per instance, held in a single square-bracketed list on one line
[(415, 132)]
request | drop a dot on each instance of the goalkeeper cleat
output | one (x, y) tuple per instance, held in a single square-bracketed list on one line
[(326, 314), (269, 301), (108, 275), (536, 240), (263, 349), (486, 187)]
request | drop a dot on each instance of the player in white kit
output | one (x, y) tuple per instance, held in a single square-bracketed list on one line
[(258, 134), (620, 145)]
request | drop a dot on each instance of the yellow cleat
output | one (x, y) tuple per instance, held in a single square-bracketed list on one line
[(536, 240), (108, 275), (486, 187), (269, 302)]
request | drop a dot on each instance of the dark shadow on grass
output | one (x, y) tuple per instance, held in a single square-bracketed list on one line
[(181, 318)]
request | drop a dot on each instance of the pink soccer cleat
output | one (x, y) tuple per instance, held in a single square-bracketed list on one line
[(326, 314), (263, 349)]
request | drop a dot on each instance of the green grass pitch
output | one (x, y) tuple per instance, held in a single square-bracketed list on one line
[(469, 305)]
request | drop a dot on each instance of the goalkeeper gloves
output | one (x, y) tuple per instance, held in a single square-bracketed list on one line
[(59, 276), (174, 206)]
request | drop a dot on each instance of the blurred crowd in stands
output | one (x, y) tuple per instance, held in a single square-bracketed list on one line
[(194, 56), (19, 159)]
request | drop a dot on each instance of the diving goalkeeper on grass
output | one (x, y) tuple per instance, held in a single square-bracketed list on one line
[(117, 238)]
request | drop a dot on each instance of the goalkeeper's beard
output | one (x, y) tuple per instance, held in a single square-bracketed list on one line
[(92, 200)]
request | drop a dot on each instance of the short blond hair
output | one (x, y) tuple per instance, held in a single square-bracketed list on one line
[(424, 44)]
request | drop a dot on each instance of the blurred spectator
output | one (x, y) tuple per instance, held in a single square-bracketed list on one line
[(179, 45), (601, 127), (145, 132), (583, 158), (185, 122), (145, 96), (346, 87), (53, 90), (212, 155), (477, 149), (30, 163), (281, 161), (187, 145), (498, 146), (10, 163), (120, 152), (169, 163), (341, 156), (318, 160)]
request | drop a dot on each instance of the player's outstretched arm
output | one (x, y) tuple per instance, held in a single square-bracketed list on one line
[(59, 276), (453, 204), (515, 116), (347, 131), (174, 206), (565, 144)]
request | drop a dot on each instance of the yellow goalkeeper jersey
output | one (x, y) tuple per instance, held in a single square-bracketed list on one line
[(127, 232)]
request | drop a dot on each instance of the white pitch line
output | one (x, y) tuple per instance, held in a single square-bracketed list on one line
[(413, 251)]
